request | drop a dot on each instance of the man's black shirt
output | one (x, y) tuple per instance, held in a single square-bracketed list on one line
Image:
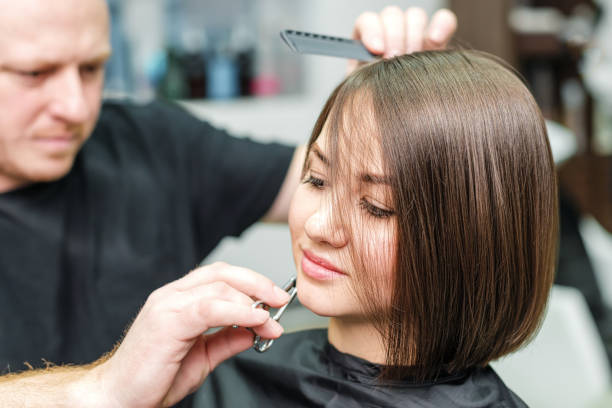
[(150, 194)]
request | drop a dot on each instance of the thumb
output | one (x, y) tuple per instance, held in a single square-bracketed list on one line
[(207, 353), (227, 343)]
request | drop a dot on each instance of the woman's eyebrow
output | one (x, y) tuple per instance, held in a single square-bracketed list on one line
[(315, 149), (375, 179), (365, 177)]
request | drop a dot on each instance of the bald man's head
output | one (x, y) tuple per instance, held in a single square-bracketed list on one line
[(52, 56), (43, 11)]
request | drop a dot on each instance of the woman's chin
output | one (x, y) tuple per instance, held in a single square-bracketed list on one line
[(318, 304)]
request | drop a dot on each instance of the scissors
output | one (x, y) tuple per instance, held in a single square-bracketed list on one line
[(260, 344)]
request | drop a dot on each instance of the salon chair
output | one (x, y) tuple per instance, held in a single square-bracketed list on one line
[(566, 364)]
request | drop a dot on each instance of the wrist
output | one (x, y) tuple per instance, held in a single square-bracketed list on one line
[(88, 389)]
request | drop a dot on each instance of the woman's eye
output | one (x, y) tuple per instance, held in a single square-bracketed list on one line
[(315, 182), (374, 210)]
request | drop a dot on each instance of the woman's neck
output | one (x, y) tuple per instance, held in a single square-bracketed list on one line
[(357, 337)]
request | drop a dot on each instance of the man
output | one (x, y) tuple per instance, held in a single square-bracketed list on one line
[(101, 204)]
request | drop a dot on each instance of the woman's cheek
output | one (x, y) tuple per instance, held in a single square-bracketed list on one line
[(380, 250), (294, 211)]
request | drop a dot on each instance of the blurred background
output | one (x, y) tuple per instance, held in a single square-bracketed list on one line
[(225, 62)]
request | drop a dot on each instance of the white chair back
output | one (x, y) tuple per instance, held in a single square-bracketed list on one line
[(566, 365)]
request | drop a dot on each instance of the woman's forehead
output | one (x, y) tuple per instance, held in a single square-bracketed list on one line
[(352, 126), (359, 153)]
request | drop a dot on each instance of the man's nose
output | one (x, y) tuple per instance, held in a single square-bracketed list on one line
[(68, 99), (324, 227)]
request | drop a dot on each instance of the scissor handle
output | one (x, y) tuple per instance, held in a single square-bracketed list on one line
[(260, 344)]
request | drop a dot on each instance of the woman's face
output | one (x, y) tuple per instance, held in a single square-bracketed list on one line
[(328, 251)]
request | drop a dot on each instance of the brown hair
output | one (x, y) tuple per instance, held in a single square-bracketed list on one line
[(473, 185)]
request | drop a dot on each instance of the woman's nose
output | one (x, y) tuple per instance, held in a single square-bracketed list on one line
[(323, 227)]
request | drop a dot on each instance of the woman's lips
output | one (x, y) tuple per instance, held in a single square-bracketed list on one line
[(319, 268)]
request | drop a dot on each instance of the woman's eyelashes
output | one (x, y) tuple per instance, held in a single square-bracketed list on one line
[(319, 183), (315, 182), (374, 210)]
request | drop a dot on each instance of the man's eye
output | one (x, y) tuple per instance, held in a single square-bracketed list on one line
[(33, 74), (91, 69)]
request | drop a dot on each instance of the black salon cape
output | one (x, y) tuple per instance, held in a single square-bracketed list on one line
[(304, 370)]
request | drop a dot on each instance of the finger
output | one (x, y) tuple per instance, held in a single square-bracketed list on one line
[(216, 290), (208, 352), (227, 343), (173, 303), (271, 329), (223, 313), (392, 19), (351, 66), (416, 21), (441, 29), (223, 292), (245, 280), (205, 314), (368, 29)]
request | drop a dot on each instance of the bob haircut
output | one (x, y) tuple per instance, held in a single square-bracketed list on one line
[(465, 151)]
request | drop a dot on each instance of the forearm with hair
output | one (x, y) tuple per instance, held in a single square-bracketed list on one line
[(54, 386)]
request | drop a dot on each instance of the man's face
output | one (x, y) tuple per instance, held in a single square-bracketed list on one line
[(52, 56)]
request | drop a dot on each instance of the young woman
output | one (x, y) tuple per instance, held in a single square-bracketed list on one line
[(425, 228)]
